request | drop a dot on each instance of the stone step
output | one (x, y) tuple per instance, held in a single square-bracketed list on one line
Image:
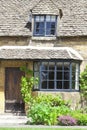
[(13, 119)]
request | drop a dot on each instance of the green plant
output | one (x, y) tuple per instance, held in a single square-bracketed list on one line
[(42, 114), (46, 108), (67, 121), (63, 110), (53, 100), (80, 117), (83, 83), (27, 83)]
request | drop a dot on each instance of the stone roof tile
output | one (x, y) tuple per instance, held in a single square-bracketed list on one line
[(45, 7), (14, 16), (31, 52)]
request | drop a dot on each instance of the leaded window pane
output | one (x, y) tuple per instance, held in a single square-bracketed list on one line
[(59, 84), (57, 75), (37, 18), (53, 18), (47, 18), (51, 84), (45, 25), (41, 18)]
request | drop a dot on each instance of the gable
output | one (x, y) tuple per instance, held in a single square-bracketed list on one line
[(45, 7)]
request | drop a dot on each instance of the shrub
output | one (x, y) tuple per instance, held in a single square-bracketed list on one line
[(81, 118), (27, 83), (67, 121), (83, 83), (46, 108), (42, 114), (63, 110), (53, 100)]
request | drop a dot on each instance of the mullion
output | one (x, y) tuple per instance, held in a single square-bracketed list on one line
[(55, 76), (63, 75), (44, 25), (70, 79), (40, 76), (48, 77)]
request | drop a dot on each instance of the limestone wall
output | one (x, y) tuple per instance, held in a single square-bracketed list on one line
[(11, 41), (77, 43), (3, 65)]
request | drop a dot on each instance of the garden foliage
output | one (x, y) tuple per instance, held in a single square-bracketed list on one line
[(67, 120), (83, 83), (49, 109)]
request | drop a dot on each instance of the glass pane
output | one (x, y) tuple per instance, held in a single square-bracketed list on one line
[(73, 67), (66, 75), (53, 26), (44, 75), (36, 74), (44, 72), (52, 32), (44, 85), (51, 75), (48, 18), (73, 75), (36, 66), (51, 65), (73, 84), (50, 84), (44, 65), (59, 84), (77, 85), (37, 18), (59, 66), (59, 75), (66, 66), (48, 32), (53, 18), (66, 85), (41, 18), (39, 25), (48, 27), (40, 28)]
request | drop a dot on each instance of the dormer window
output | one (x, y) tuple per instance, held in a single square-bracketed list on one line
[(45, 25)]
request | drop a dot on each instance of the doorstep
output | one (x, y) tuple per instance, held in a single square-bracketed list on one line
[(13, 118)]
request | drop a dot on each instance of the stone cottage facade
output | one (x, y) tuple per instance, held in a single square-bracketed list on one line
[(47, 36)]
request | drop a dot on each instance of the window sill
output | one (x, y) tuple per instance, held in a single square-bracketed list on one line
[(43, 38), (56, 90)]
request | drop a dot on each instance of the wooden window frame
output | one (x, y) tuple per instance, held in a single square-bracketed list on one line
[(45, 26)]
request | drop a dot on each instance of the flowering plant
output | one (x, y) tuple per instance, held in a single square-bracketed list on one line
[(67, 120)]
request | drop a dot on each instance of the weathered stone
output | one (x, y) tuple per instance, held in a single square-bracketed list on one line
[(31, 52)]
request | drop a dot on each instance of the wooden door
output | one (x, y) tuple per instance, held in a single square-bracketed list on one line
[(13, 98)]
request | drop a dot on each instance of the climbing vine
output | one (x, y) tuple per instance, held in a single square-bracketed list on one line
[(27, 83)]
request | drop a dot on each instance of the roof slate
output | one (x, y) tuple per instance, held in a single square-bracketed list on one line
[(31, 52), (14, 16), (45, 7)]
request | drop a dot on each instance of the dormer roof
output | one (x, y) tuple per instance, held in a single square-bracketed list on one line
[(45, 7)]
